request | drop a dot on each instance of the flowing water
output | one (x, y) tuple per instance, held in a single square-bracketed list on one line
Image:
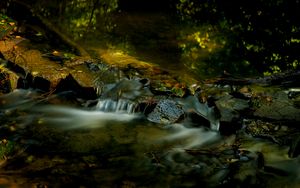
[(112, 145), (123, 146)]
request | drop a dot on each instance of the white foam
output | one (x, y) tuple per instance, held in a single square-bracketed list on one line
[(71, 118), (191, 137)]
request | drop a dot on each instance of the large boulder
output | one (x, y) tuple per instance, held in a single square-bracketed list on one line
[(166, 112), (278, 107)]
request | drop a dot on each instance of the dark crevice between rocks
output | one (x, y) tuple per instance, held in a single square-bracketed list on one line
[(5, 86), (146, 108), (229, 128), (1, 56), (32, 82), (15, 68), (196, 120), (41, 83), (70, 84)]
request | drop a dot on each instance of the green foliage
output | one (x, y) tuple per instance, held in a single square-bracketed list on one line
[(207, 51), (264, 33), (6, 148), (6, 25), (79, 17), (257, 33)]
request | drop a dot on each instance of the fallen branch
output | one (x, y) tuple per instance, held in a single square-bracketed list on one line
[(284, 79)]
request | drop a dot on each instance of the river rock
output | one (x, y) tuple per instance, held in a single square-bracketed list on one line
[(127, 89), (166, 112), (278, 107), (8, 79), (200, 113), (5, 82), (231, 107)]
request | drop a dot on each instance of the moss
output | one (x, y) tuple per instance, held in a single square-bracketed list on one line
[(6, 148)]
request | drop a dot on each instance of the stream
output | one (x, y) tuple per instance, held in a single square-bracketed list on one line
[(52, 141), (95, 146), (152, 121)]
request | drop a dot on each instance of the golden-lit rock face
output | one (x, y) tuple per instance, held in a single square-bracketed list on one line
[(33, 61), (162, 80)]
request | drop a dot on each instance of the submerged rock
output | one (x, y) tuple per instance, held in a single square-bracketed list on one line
[(192, 105)]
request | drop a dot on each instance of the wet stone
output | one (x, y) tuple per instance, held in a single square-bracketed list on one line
[(296, 102), (294, 150), (277, 133), (166, 112), (8, 79), (278, 109), (230, 107), (126, 89)]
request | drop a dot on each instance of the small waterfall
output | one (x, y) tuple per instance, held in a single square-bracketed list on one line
[(121, 96), (121, 105)]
